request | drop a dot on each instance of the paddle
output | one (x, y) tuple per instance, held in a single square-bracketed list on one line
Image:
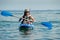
[(47, 24), (7, 13)]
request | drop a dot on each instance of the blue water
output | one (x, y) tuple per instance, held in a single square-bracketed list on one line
[(9, 26)]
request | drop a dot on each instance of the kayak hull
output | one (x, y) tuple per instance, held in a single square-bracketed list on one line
[(25, 27)]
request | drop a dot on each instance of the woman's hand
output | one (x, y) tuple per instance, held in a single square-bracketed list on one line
[(28, 22)]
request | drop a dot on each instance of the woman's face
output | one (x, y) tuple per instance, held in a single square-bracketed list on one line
[(27, 14)]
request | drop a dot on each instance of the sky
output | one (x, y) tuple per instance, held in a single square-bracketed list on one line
[(31, 4)]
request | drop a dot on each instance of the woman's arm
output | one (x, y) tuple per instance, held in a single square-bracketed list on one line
[(32, 18), (20, 19)]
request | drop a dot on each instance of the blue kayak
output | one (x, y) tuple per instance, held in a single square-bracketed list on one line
[(26, 27)]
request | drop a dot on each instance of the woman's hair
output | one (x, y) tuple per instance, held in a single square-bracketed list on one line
[(26, 11)]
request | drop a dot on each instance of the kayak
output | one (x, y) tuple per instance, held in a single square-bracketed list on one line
[(26, 27)]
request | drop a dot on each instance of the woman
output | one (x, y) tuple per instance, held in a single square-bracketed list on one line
[(26, 18)]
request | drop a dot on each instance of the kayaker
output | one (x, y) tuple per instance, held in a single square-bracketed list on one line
[(26, 18)]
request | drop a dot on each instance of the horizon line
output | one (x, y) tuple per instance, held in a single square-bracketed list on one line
[(36, 9)]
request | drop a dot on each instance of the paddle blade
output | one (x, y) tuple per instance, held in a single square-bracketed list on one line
[(47, 24), (6, 13)]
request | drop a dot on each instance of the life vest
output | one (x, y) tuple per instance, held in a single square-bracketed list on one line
[(26, 18)]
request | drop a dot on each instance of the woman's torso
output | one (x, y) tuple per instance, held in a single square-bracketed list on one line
[(26, 19)]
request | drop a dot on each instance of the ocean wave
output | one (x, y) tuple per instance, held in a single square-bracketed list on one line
[(10, 21), (57, 13), (55, 21)]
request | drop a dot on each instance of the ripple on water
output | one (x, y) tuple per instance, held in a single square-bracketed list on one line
[(57, 38), (46, 39), (9, 31)]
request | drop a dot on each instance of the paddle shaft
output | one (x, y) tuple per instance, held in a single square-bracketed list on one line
[(15, 16)]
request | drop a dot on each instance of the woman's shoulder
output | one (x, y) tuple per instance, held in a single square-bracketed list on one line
[(30, 15)]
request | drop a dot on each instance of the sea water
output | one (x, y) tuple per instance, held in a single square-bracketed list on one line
[(9, 26)]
